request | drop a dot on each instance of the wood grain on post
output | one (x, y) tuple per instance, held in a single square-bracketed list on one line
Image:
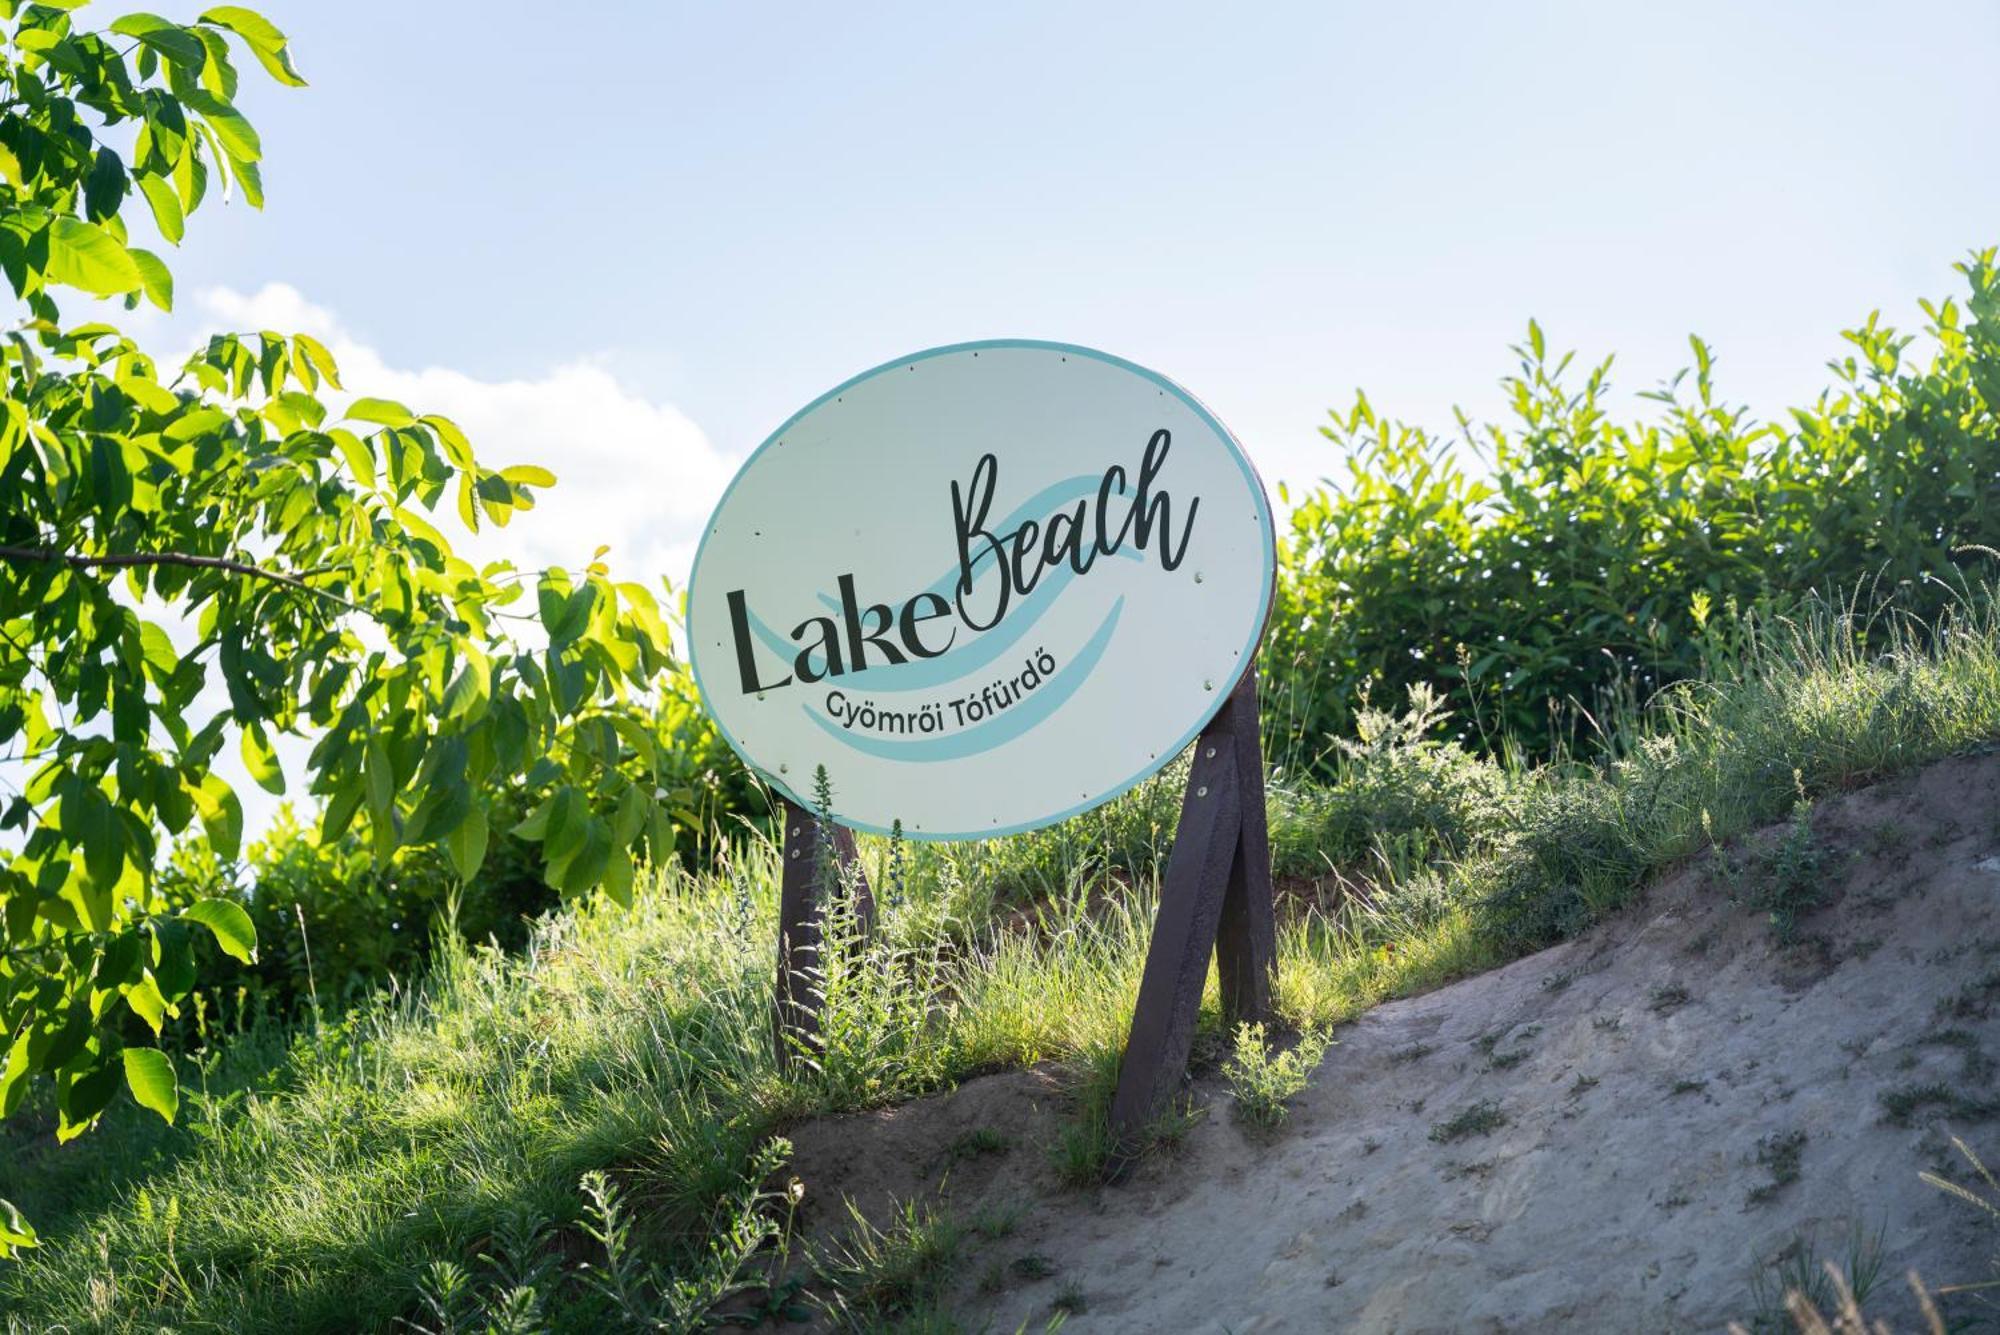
[(1246, 944), (797, 1012)]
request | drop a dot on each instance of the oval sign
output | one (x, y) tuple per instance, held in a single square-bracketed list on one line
[(987, 586)]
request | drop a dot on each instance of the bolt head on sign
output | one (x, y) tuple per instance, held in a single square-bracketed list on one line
[(987, 586)]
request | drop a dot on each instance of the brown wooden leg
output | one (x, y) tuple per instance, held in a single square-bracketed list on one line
[(801, 923), (1246, 944), (797, 1012), (1216, 900), (1191, 899)]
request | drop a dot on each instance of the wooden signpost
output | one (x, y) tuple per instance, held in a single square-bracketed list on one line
[(979, 590)]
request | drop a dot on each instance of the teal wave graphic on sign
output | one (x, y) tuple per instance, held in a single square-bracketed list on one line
[(996, 731)]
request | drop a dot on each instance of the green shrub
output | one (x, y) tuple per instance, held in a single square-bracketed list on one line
[(333, 924), (1397, 797), (1578, 561)]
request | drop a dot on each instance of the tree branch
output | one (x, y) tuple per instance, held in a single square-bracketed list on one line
[(115, 561)]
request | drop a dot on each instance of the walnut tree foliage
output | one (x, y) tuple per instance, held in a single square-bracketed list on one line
[(201, 558)]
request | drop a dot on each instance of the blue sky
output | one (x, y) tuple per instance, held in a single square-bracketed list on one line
[(627, 241)]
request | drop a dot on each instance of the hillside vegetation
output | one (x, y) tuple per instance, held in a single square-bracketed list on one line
[(456, 1148)]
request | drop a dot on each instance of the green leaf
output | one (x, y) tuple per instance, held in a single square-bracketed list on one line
[(83, 1098), (386, 411), (467, 843), (238, 139), (234, 931), (218, 75), (251, 179), (264, 40), (261, 760), (154, 275), (169, 39), (581, 863), (148, 394), (321, 359), (381, 781), (360, 458), (14, 1076), (151, 1077), (633, 808), (252, 27), (16, 1233), (279, 65), (661, 837), (118, 963), (617, 882), (104, 189), (528, 475), (568, 816), (536, 824), (443, 808), (146, 1002), (221, 815), (456, 447), (85, 256), (470, 689), (173, 957)]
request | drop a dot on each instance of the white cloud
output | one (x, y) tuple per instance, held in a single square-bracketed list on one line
[(632, 474)]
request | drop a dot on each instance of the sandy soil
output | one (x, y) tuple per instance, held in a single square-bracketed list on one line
[(1649, 1073)]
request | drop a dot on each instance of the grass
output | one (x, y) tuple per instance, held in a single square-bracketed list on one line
[(875, 1275), (1901, 1105), (468, 1142), (1827, 1282), (1981, 1194)]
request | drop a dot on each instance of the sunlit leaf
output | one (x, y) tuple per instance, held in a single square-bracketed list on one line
[(232, 927), (150, 1075)]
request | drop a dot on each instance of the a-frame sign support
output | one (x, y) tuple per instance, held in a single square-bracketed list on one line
[(1216, 899)]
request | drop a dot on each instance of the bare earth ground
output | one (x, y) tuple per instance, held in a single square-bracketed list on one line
[(1607, 1201)]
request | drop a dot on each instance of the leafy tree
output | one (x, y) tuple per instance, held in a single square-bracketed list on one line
[(231, 525)]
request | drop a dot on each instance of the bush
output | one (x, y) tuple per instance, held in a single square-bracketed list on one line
[(1396, 798), (1579, 562), (333, 925)]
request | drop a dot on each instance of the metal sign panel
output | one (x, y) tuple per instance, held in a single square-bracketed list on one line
[(987, 586)]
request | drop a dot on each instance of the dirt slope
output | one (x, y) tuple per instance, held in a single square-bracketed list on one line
[(1682, 1098)]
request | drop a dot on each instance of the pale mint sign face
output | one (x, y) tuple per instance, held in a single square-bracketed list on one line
[(986, 586)]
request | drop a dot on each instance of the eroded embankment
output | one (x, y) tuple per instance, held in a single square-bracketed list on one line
[(1613, 1134)]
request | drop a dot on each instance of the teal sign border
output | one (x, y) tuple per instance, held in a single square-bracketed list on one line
[(1166, 756)]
